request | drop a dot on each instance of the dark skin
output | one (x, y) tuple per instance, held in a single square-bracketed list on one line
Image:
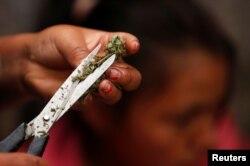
[(35, 65), (173, 127)]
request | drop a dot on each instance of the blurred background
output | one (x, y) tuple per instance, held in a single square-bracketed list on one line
[(32, 16)]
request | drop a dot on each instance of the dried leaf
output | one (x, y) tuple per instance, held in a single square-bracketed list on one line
[(115, 46)]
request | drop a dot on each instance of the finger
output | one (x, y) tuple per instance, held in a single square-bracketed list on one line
[(132, 42), (75, 43), (93, 37), (125, 75), (41, 81), (109, 93), (20, 159)]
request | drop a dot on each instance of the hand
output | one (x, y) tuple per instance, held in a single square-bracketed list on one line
[(57, 50), (51, 55), (20, 159)]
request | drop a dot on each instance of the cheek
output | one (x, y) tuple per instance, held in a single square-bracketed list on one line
[(147, 142)]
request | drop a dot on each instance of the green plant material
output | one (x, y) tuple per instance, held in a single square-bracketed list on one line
[(115, 46)]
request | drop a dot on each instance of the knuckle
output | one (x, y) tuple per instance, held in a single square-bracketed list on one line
[(78, 53)]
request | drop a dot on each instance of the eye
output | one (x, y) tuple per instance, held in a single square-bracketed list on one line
[(177, 120), (185, 119), (182, 121)]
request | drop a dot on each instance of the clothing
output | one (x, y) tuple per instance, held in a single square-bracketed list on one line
[(64, 146), (229, 136)]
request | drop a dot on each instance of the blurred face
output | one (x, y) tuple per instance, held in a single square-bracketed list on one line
[(175, 126)]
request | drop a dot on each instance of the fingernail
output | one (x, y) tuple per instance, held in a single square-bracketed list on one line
[(107, 88), (114, 74)]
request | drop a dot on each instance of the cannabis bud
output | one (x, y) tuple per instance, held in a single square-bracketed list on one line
[(115, 46)]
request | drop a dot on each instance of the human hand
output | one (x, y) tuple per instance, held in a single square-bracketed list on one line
[(53, 53), (20, 159)]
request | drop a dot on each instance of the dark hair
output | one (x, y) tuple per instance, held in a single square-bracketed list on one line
[(166, 24)]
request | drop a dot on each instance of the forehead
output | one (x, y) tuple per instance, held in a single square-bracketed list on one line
[(197, 74)]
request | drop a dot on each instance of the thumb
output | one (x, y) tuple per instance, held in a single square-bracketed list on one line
[(76, 43), (72, 46), (20, 159)]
